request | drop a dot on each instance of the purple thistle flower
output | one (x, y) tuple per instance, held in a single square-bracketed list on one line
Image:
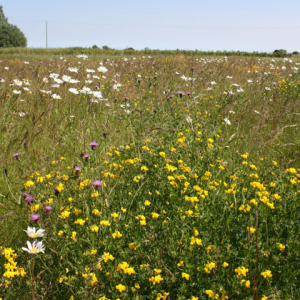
[(17, 155), (188, 93), (56, 192), (87, 157), (48, 209), (97, 184), (93, 145), (77, 170), (29, 199), (34, 217)]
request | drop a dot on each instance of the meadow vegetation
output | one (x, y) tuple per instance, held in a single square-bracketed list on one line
[(171, 177)]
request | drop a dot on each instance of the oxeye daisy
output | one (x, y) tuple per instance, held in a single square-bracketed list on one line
[(34, 248), (31, 232)]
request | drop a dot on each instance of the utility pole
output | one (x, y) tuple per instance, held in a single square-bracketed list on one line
[(46, 35)]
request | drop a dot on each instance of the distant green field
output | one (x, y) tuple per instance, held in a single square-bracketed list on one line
[(107, 53)]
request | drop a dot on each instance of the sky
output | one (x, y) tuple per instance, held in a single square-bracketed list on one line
[(232, 25)]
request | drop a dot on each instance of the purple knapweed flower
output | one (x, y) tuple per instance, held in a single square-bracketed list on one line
[(48, 209), (188, 93), (96, 87), (17, 155), (93, 145), (56, 191), (34, 217), (77, 170), (87, 157), (97, 184), (29, 199)]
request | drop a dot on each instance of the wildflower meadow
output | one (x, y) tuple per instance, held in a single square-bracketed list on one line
[(167, 177)]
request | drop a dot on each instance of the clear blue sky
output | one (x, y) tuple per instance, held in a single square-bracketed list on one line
[(253, 25)]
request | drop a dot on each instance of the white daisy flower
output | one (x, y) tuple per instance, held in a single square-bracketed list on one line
[(34, 248), (31, 232)]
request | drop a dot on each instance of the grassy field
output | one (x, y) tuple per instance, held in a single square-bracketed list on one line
[(190, 191)]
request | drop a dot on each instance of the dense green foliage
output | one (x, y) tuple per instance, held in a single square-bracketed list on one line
[(10, 35)]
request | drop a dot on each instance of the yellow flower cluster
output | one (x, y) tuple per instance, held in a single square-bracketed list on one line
[(11, 267)]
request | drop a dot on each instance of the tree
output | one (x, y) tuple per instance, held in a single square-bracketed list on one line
[(280, 53), (10, 35)]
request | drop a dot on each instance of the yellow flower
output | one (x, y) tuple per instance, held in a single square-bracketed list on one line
[(180, 264), (77, 211), (245, 156), (246, 282), (40, 179), (292, 170), (154, 215), (106, 257), (73, 237), (60, 187), (162, 154), (241, 271), (28, 184), (225, 265), (137, 286), (60, 233), (156, 279), (189, 212), (209, 267), (96, 212), (147, 203), (210, 293), (35, 208), (196, 241), (80, 222), (105, 223), (185, 276), (116, 234), (65, 214), (264, 297), (281, 247), (115, 215), (94, 228), (129, 271), (251, 229), (136, 179), (132, 246), (266, 274), (121, 288)]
